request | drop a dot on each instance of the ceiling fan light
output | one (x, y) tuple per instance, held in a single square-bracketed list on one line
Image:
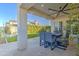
[(50, 11), (42, 5), (55, 14)]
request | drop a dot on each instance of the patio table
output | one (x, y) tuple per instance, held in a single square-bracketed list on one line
[(57, 35)]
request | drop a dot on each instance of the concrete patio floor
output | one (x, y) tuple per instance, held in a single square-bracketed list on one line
[(33, 49)]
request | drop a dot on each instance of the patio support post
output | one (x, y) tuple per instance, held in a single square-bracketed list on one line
[(22, 29), (52, 25)]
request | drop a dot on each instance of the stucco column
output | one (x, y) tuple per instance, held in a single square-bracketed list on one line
[(22, 29), (52, 25)]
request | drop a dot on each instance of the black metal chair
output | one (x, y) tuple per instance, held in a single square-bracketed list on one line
[(50, 40), (63, 43), (42, 38)]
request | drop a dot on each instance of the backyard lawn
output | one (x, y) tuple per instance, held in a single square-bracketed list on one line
[(13, 39), (33, 35)]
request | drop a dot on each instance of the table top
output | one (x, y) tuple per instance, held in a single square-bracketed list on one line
[(57, 34)]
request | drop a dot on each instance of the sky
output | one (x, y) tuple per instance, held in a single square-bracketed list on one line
[(8, 11), (41, 20)]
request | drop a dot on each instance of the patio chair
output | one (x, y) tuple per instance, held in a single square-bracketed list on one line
[(63, 43), (50, 40), (42, 38)]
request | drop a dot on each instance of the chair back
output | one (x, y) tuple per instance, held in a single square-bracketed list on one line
[(49, 37), (42, 36)]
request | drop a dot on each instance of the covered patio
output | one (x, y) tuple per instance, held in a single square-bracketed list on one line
[(25, 47), (41, 10)]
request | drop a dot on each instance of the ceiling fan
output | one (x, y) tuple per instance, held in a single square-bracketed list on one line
[(62, 10)]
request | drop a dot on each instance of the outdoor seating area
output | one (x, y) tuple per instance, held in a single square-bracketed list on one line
[(53, 40)]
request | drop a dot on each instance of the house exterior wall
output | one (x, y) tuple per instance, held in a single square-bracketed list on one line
[(11, 27)]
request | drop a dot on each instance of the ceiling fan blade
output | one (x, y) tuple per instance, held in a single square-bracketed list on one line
[(64, 6), (65, 12), (52, 9), (71, 8)]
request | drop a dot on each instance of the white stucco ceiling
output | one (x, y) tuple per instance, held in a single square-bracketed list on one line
[(44, 7)]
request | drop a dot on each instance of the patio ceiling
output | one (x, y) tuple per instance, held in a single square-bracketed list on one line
[(42, 8)]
